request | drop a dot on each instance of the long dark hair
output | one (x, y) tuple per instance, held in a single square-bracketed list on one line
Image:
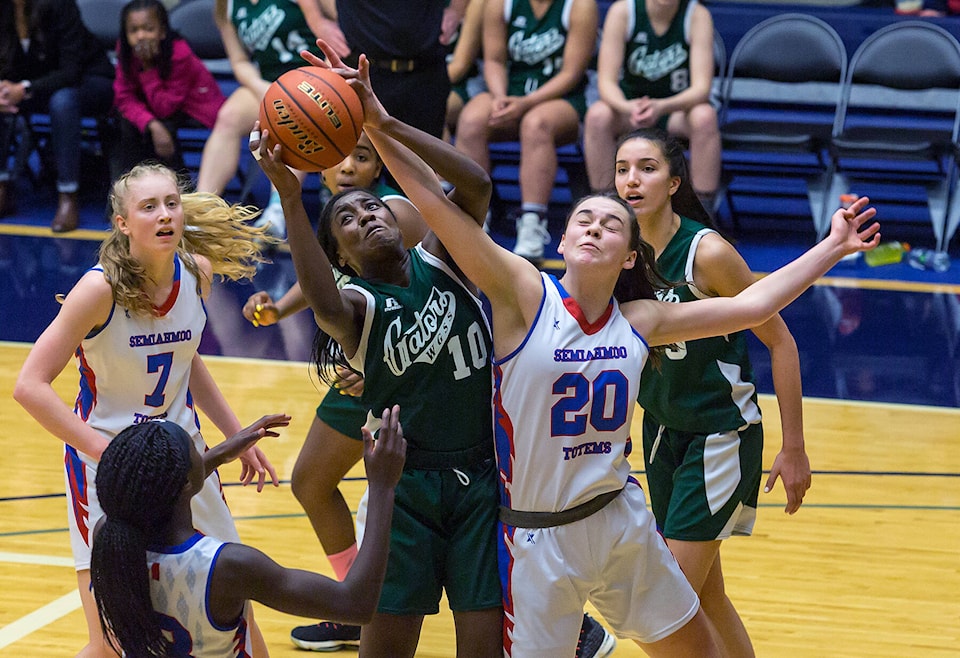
[(685, 201), (139, 478), (125, 56), (327, 355)]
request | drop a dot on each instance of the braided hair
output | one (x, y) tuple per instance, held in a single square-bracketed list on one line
[(139, 479)]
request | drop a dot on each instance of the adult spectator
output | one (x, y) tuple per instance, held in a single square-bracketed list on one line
[(51, 63)]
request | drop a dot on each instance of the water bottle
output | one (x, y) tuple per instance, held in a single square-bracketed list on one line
[(928, 259), (886, 253)]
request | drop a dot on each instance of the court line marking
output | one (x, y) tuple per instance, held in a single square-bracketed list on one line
[(39, 618), (31, 558)]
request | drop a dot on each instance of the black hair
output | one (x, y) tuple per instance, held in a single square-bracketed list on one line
[(164, 61), (327, 354), (139, 478), (685, 201)]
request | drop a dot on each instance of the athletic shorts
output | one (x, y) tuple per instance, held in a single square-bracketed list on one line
[(703, 486), (614, 558), (343, 413), (211, 516), (443, 538)]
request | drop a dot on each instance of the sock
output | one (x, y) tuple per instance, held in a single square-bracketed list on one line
[(274, 197), (342, 561), (538, 208)]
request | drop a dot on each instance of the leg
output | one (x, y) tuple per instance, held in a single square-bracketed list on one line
[(542, 129), (699, 125), (692, 639), (325, 458), (700, 561), (479, 633), (65, 138), (473, 135), (221, 153), (97, 647), (602, 126), (391, 636), (258, 643)]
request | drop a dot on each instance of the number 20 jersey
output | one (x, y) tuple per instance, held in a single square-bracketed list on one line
[(563, 405)]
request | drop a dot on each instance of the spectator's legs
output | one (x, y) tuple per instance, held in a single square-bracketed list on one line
[(473, 132), (699, 126), (601, 128), (221, 153)]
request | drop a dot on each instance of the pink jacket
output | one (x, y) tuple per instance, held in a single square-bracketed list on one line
[(190, 88)]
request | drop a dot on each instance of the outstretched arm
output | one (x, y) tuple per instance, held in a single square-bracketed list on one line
[(664, 323), (511, 283), (243, 572), (333, 310)]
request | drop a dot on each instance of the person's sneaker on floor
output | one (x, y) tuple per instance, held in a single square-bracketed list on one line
[(532, 234), (595, 641), (272, 217), (326, 636)]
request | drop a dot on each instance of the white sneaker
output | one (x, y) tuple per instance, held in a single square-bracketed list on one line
[(272, 218), (532, 234)]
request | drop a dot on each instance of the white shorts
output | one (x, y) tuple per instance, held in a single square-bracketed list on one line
[(211, 516), (614, 558)]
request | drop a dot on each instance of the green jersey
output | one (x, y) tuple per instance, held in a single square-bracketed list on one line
[(535, 45), (273, 32), (426, 347), (656, 65), (703, 385)]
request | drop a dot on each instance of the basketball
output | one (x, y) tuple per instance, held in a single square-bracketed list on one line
[(315, 115)]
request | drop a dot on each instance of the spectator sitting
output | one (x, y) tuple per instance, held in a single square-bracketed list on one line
[(663, 50), (535, 57), (51, 63), (160, 86)]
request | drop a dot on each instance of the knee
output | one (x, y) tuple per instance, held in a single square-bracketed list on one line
[(64, 102), (599, 120), (703, 120)]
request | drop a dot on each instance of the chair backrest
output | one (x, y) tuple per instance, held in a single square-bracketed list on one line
[(789, 60), (909, 70), (719, 54), (193, 20), (102, 17)]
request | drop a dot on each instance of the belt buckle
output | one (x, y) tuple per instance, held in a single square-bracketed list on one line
[(401, 65)]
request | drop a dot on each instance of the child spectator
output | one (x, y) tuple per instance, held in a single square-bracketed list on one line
[(160, 86)]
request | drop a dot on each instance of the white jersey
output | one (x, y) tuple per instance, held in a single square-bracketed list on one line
[(179, 589), (563, 406), (134, 369), (137, 367)]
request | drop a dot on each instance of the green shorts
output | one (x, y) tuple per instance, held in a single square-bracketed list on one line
[(443, 538), (343, 413), (703, 486)]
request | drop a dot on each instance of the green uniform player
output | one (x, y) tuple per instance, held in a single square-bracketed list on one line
[(702, 437)]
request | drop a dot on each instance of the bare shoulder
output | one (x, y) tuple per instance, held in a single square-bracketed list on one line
[(719, 269)]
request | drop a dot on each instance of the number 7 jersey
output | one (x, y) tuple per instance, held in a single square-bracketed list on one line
[(137, 367), (563, 405)]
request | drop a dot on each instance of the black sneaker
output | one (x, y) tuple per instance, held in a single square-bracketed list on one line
[(595, 641), (328, 636)]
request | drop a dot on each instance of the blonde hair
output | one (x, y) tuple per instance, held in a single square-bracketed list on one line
[(213, 228)]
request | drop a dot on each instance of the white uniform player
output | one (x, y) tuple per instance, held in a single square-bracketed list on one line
[(182, 573), (134, 369), (563, 406)]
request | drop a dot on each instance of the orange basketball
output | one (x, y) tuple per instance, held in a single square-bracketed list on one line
[(315, 115)]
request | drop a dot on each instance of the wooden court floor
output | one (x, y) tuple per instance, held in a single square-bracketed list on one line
[(870, 566)]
